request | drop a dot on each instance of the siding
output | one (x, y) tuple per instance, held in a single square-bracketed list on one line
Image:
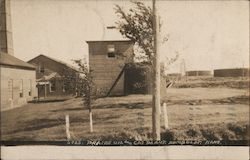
[(15, 75), (106, 70)]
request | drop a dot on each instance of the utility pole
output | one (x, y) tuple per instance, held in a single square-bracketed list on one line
[(157, 78)]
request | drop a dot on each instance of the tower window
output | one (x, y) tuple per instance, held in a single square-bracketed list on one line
[(111, 51)]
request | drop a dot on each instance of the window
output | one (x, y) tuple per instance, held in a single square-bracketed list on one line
[(30, 87), (41, 68), (52, 85), (63, 87), (111, 51), (21, 88), (10, 88)]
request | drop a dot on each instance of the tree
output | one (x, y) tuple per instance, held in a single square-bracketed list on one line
[(137, 25), (141, 25), (86, 87)]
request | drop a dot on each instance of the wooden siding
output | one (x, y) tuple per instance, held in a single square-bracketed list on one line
[(105, 71), (51, 66)]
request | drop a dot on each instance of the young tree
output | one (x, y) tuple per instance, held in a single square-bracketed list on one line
[(86, 87)]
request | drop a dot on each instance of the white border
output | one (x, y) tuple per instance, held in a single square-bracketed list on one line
[(169, 152)]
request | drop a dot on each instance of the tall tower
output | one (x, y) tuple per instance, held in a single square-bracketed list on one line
[(6, 44)]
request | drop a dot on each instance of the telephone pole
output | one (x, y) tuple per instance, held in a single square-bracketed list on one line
[(157, 78)]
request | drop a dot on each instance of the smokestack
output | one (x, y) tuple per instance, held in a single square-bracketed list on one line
[(6, 43)]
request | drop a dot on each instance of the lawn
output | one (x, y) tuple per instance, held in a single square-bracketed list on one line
[(194, 113)]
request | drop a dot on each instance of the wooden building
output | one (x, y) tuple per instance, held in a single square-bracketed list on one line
[(18, 78), (54, 77), (107, 60), (114, 71)]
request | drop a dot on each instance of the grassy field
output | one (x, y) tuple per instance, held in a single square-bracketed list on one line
[(194, 114)]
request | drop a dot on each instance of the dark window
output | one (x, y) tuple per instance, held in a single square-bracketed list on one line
[(52, 86), (21, 88), (41, 68), (30, 87), (111, 51), (111, 55)]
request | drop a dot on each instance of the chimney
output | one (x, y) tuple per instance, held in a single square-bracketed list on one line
[(6, 44)]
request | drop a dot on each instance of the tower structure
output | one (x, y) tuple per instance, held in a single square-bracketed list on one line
[(6, 42)]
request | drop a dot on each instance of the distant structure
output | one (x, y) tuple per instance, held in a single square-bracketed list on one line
[(18, 78), (52, 75), (174, 74), (199, 73), (232, 72)]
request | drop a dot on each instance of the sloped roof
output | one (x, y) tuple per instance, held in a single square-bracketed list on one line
[(110, 35), (49, 77), (11, 61), (58, 61)]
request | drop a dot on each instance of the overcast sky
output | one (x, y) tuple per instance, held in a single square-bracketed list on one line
[(206, 34)]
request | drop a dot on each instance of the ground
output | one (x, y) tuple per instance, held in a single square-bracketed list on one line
[(193, 113)]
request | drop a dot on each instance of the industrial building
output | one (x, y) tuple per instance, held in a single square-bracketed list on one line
[(18, 78)]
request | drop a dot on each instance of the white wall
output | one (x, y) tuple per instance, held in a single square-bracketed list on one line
[(11, 99)]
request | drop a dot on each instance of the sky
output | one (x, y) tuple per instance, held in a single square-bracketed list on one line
[(206, 34)]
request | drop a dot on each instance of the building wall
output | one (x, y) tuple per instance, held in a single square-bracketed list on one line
[(51, 66), (11, 79), (60, 90), (105, 70), (237, 72), (199, 73)]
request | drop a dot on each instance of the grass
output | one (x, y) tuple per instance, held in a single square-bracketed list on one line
[(197, 114)]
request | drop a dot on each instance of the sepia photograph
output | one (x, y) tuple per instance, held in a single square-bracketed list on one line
[(125, 73)]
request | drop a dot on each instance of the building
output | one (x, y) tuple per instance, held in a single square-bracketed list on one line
[(54, 77), (107, 60), (18, 78), (232, 72), (199, 73)]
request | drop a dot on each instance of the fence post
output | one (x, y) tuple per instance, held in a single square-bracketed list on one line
[(165, 115), (91, 121), (67, 126)]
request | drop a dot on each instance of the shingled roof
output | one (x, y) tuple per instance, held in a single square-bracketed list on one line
[(11, 61)]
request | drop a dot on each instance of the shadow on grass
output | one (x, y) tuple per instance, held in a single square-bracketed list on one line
[(37, 124), (48, 100), (123, 105), (68, 109)]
